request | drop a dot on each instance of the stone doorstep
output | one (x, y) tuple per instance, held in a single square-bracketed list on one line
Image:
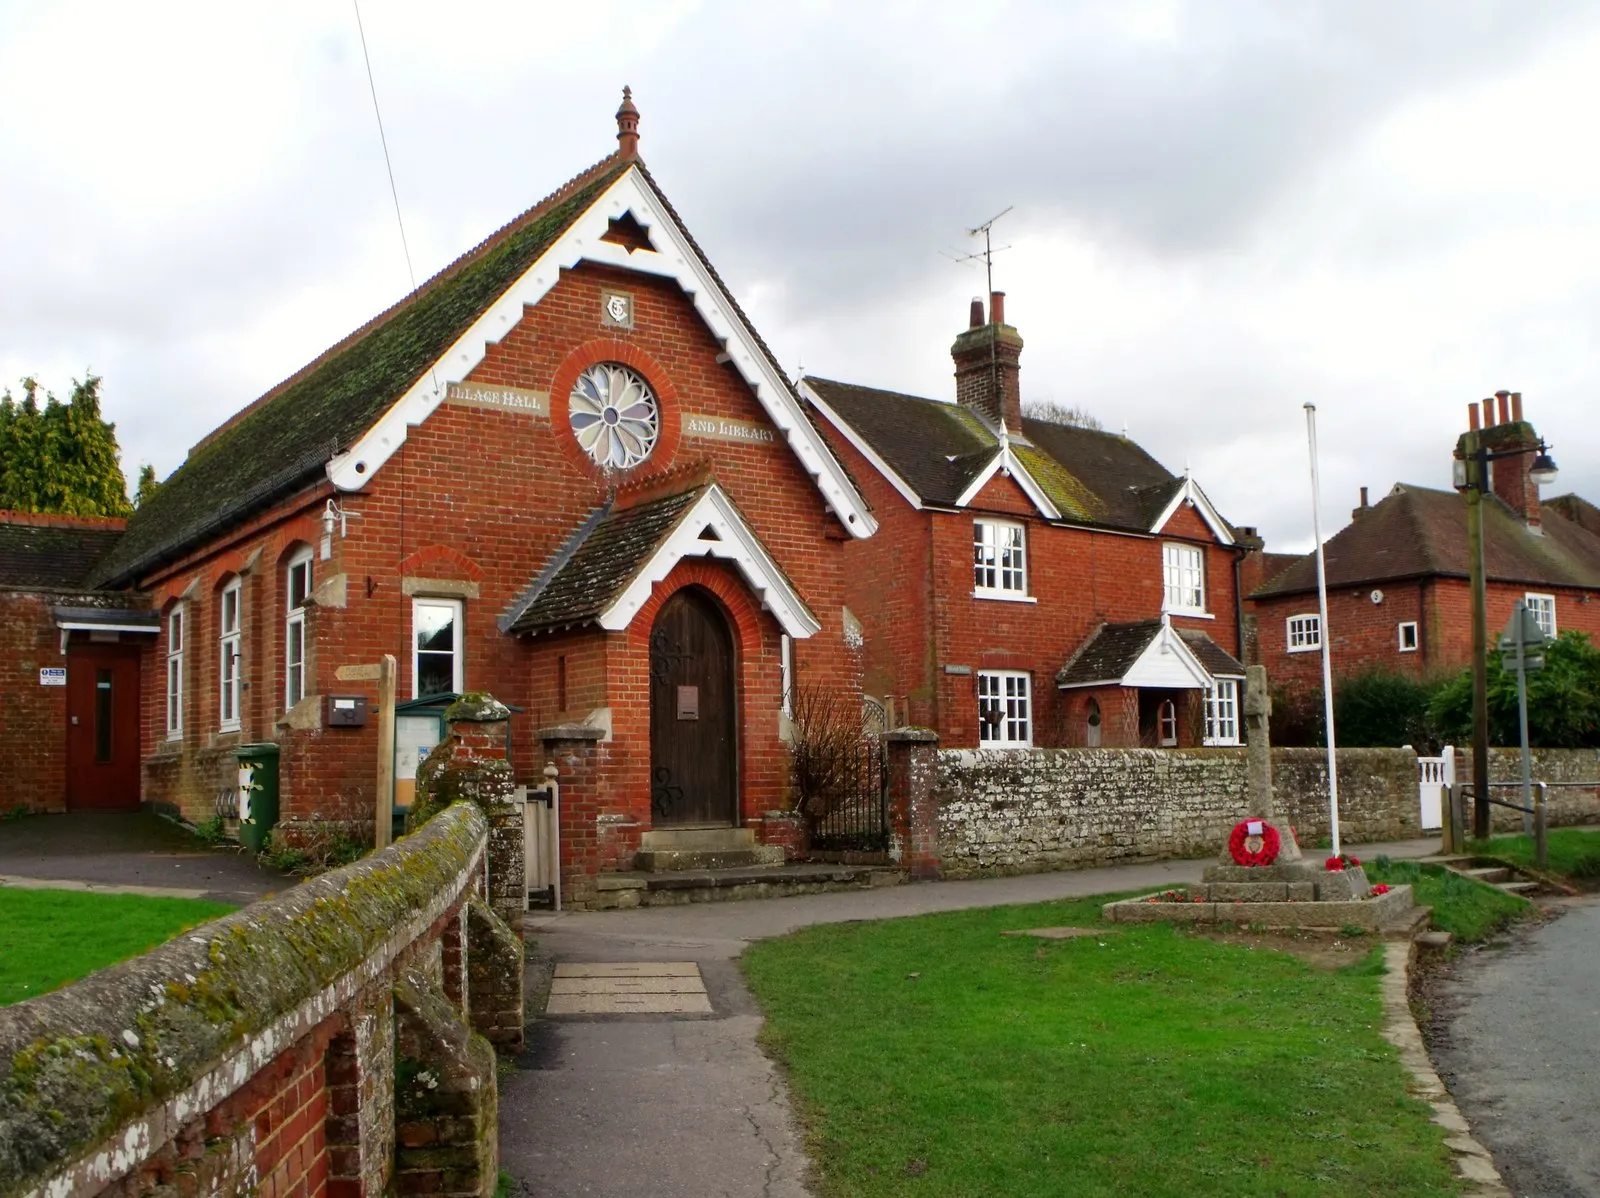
[(688, 839), (675, 860), (637, 889)]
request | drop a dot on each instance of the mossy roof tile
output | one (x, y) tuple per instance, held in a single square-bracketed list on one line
[(50, 558)]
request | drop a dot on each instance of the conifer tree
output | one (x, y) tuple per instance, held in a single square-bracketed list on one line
[(62, 457)]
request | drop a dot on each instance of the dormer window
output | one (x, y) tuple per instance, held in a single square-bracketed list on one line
[(1183, 569), (999, 560)]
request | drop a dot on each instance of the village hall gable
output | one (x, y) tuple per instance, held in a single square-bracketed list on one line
[(566, 471)]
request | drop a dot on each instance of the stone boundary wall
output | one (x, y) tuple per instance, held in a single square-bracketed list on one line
[(1021, 811), (330, 1040)]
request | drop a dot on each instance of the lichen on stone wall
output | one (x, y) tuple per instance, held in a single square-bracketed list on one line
[(78, 1064)]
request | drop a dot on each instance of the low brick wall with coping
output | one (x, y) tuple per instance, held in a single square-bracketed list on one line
[(330, 1040)]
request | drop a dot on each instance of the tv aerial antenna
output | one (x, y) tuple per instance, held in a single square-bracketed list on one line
[(989, 250)]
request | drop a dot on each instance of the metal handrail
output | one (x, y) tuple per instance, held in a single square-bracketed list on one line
[(1458, 792)]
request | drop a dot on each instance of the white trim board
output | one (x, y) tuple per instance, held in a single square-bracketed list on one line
[(1192, 493), (861, 445), (735, 542), (675, 259), (1005, 460)]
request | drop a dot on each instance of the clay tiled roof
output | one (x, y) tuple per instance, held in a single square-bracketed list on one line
[(1108, 653), (596, 564), (1216, 659), (1574, 508), (283, 440), (51, 556), (1416, 532), (939, 449)]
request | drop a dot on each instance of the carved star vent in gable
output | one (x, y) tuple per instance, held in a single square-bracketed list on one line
[(626, 231), (709, 534)]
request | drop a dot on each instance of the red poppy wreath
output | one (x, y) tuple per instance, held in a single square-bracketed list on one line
[(1253, 842)]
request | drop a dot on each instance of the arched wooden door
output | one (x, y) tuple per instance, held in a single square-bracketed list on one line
[(693, 732)]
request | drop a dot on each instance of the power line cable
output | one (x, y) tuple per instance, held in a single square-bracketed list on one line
[(384, 140)]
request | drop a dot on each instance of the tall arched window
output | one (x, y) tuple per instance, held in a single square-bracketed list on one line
[(297, 590), (1169, 723)]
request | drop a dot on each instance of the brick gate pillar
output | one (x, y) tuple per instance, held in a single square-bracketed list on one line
[(913, 815), (477, 769), (576, 752)]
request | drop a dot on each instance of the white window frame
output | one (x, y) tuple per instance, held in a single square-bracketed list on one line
[(175, 633), (1000, 560), (458, 663), (1543, 608), (1415, 638), (1303, 633), (231, 596), (1183, 577), (1012, 690), (1222, 711), (294, 628), (1167, 724)]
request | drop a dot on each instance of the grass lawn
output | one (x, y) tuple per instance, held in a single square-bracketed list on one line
[(51, 937), (1573, 853), (935, 1056), (1471, 911)]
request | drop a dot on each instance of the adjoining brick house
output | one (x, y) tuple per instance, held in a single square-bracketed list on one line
[(69, 668), (1032, 583), (1399, 590), (566, 471)]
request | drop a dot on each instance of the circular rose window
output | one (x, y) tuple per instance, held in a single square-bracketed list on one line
[(614, 415)]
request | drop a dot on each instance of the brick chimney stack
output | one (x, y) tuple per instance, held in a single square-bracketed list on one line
[(1504, 429), (987, 357)]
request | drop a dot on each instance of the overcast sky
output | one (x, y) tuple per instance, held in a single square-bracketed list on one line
[(1220, 210)]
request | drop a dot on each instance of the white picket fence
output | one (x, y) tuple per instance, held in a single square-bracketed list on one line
[(1434, 774)]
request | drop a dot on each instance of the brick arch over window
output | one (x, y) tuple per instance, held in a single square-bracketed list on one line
[(441, 561), (611, 349)]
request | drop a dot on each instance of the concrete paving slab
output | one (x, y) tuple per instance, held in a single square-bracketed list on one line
[(628, 1004), (692, 985), (627, 969)]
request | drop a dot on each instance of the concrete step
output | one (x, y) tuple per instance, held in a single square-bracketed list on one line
[(698, 838), (1523, 888), (1492, 874), (677, 860), (678, 887)]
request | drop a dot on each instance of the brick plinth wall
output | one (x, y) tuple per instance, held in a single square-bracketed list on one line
[(787, 830), (258, 1054), (580, 759)]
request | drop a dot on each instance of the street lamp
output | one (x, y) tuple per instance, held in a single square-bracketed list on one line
[(1471, 475)]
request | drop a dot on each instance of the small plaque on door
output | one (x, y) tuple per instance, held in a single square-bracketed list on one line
[(688, 702)]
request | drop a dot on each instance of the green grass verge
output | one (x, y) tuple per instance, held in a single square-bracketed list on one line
[(51, 937), (1572, 853), (1470, 911), (933, 1056)]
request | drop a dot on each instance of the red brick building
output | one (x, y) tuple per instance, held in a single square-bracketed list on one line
[(69, 668), (1032, 583), (1399, 591), (566, 471)]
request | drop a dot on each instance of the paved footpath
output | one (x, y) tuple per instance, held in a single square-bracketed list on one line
[(687, 1106), (1519, 1057)]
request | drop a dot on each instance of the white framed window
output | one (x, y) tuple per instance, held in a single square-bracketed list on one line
[(436, 648), (1305, 633), (786, 674), (999, 560), (1543, 608), (1408, 636), (175, 672), (1222, 712), (1005, 709), (297, 590), (228, 625), (1167, 720), (1183, 572)]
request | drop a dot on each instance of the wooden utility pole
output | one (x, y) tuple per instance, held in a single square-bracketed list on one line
[(383, 803)]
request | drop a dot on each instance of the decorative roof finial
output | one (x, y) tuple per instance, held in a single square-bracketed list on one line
[(628, 126)]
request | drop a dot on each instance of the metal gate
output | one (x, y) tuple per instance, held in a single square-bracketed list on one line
[(1434, 775), (855, 817), (541, 843)]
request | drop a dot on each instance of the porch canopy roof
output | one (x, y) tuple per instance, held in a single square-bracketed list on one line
[(605, 572), (106, 619), (1148, 653)]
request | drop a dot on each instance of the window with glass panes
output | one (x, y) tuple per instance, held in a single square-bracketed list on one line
[(1305, 633), (1543, 608), (297, 591), (228, 660), (999, 558), (1222, 712), (175, 671), (1184, 577), (436, 647), (1005, 719)]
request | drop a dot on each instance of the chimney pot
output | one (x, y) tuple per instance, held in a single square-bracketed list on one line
[(1516, 405), (1364, 497), (997, 307), (975, 319), (1488, 413), (1505, 406), (1472, 417)]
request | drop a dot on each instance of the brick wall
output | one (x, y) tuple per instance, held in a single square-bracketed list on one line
[(472, 506), (33, 718), (257, 1054)]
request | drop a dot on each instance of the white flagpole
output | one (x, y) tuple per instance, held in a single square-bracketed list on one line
[(1322, 630)]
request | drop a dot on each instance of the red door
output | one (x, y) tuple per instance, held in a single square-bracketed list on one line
[(103, 728)]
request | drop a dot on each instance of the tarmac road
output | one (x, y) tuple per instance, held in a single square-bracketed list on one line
[(1519, 1053)]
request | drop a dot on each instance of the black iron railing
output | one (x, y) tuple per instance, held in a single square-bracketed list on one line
[(855, 817)]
